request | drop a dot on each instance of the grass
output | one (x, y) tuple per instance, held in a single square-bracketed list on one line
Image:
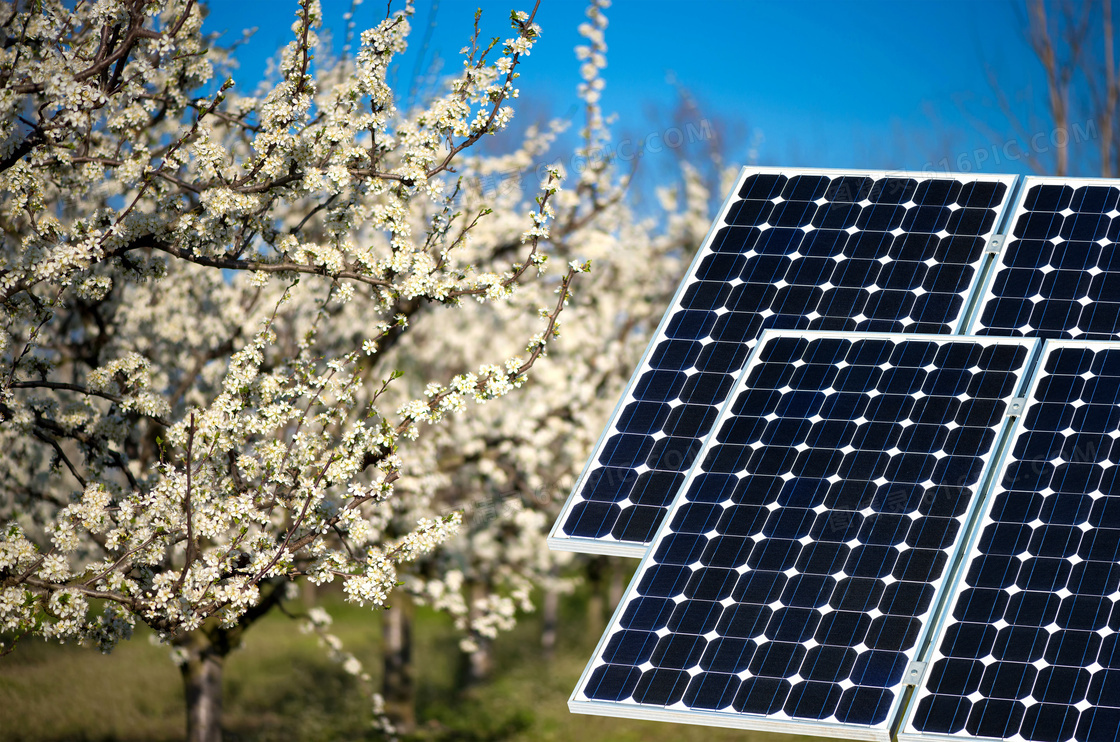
[(280, 686)]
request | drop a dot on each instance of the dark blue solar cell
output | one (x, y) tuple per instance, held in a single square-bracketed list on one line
[(734, 239), (626, 450), (792, 214), (664, 580), (1039, 225), (824, 243), (879, 669), (780, 659), (706, 388), (675, 355), (1098, 724), (591, 519), (744, 620), (711, 584), (1085, 227), (806, 187), (1048, 198), (630, 647), (969, 221), (761, 695), (673, 454), (728, 654), (893, 632), (981, 194), (661, 687), (774, 246), (655, 489), (856, 594), (612, 682), (813, 700), (853, 189), (937, 192), (690, 324), (870, 561), (638, 522), (926, 219), (696, 517), (643, 417), (994, 717), (763, 186), (945, 714), (720, 267), (699, 614), (914, 247), (711, 691), (609, 484), (970, 640), (731, 551), (749, 212), (837, 216), (708, 294), (862, 705), (739, 520), (690, 420), (647, 614), (893, 190), (659, 386)]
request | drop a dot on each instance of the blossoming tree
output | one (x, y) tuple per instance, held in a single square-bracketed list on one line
[(187, 423)]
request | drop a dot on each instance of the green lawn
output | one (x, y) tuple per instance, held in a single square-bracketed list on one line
[(281, 686)]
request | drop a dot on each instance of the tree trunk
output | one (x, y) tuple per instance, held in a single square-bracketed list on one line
[(550, 615), (206, 650), (617, 585), (202, 686), (595, 567), (397, 686), (477, 664)]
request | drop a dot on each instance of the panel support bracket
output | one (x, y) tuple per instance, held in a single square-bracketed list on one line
[(1015, 406), (995, 244), (914, 673)]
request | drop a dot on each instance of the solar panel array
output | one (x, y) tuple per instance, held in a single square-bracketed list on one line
[(795, 575), (1059, 276), (881, 527), (1031, 649), (814, 251)]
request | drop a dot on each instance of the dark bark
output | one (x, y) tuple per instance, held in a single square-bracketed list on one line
[(398, 687), (596, 566)]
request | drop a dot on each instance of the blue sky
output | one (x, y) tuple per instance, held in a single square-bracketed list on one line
[(870, 84)]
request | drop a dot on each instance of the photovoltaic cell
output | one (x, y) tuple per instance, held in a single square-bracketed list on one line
[(813, 251), (1059, 274), (793, 579), (1031, 649)]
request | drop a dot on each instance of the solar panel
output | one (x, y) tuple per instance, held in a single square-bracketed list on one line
[(792, 582), (1030, 650), (813, 250), (1059, 274)]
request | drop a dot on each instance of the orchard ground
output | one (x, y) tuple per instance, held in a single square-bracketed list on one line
[(282, 686)]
